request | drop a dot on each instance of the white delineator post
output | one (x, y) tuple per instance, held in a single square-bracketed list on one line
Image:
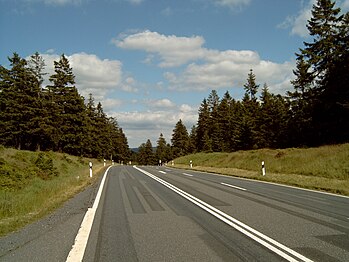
[(90, 164), (191, 164), (104, 162), (263, 168)]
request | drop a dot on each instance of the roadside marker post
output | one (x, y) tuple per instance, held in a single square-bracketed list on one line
[(191, 164), (90, 164), (104, 162), (263, 168)]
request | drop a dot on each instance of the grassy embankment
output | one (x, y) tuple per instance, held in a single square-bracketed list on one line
[(324, 168), (33, 184)]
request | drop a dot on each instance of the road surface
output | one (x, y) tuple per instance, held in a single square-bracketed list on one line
[(165, 214)]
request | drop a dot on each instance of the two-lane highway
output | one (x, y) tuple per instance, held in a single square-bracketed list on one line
[(165, 214)]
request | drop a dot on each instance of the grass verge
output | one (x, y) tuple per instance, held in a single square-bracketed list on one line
[(33, 184), (324, 168)]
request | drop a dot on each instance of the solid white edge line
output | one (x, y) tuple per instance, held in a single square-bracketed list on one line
[(240, 188), (187, 174), (78, 249), (260, 238)]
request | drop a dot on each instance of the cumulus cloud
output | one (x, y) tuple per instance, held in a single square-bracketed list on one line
[(161, 103), (92, 74), (205, 68), (172, 50)]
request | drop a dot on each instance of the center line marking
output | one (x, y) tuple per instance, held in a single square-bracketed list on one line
[(163, 172), (240, 188), (187, 174)]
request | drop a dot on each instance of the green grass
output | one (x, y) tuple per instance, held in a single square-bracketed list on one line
[(324, 168), (33, 184)]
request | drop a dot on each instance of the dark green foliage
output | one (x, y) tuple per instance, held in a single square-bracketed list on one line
[(321, 97), (146, 155), (54, 117), (180, 140), (163, 150)]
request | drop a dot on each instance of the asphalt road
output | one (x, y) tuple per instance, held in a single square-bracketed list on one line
[(143, 219), (165, 214)]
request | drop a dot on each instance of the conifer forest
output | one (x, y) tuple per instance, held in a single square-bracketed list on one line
[(316, 112)]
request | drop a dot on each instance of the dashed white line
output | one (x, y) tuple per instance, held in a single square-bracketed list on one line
[(162, 172), (240, 188), (187, 174)]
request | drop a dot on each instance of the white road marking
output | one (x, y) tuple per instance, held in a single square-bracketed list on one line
[(163, 172), (240, 188), (264, 240), (78, 249), (187, 174)]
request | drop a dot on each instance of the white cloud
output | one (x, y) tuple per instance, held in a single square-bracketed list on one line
[(92, 74), (161, 103), (172, 50), (227, 74), (205, 69)]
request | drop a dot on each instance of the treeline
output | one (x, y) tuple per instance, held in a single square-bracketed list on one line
[(315, 113), (54, 117)]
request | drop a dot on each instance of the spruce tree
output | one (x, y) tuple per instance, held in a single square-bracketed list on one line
[(161, 150), (203, 142), (249, 135), (67, 108), (322, 76), (180, 140), (19, 101)]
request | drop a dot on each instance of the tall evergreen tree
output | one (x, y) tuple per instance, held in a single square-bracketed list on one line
[(214, 128), (272, 122), (180, 140), (224, 122), (323, 76), (203, 141), (161, 152), (67, 107), (146, 154), (249, 135), (19, 101), (251, 88)]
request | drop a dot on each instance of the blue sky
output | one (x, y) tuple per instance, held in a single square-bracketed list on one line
[(152, 62)]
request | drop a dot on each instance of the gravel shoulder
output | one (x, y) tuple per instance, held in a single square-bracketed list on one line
[(51, 238)]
